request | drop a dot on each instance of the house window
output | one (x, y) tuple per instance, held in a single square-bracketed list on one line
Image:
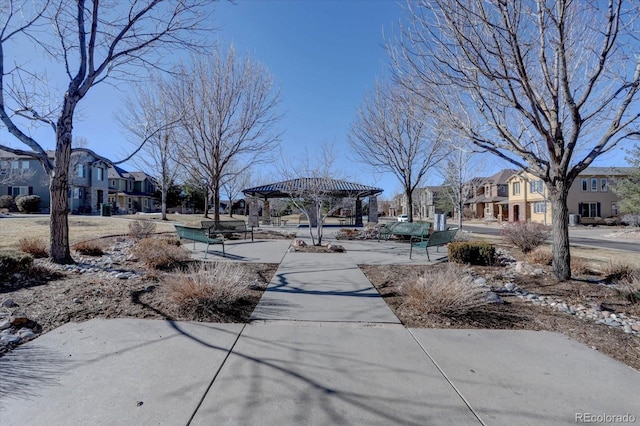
[(594, 184), (614, 208), (77, 193), (100, 174), (80, 170), (585, 183), (590, 209), (16, 165), (516, 188), (604, 187), (535, 186), (19, 190), (113, 182), (540, 207), (129, 203)]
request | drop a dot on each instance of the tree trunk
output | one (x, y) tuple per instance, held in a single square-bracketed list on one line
[(59, 191), (206, 203), (216, 202), (560, 217), (409, 204), (164, 202)]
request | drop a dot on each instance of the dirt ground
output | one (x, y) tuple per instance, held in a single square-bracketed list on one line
[(54, 298), (517, 314)]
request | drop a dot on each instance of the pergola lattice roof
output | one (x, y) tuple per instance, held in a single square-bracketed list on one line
[(332, 187)]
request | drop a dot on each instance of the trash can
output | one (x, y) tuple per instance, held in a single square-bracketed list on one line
[(574, 219), (105, 209)]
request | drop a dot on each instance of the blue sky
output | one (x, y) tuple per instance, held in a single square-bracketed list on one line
[(324, 56)]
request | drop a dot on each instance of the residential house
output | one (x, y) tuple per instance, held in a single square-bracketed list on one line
[(489, 196), (432, 201), (22, 175), (87, 180), (590, 196), (131, 192), (88, 186)]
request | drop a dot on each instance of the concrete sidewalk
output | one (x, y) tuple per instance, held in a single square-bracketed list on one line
[(322, 348)]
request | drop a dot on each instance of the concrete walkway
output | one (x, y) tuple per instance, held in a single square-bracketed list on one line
[(322, 348)]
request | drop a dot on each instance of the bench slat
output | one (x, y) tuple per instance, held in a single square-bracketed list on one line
[(436, 239), (200, 235)]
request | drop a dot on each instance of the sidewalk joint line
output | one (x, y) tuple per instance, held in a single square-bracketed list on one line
[(215, 376), (446, 377)]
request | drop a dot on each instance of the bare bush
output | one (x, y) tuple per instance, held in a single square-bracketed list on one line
[(525, 235), (630, 289), (580, 266), (616, 271), (207, 289), (36, 247), (141, 229), (89, 248), (159, 253), (540, 257), (449, 290)]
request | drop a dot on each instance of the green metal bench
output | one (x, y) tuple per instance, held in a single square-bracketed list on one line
[(436, 239), (407, 229), (200, 235), (227, 227)]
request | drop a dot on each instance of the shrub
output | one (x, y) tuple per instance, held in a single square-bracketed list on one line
[(88, 248), (36, 247), (206, 289), (449, 290), (6, 202), (630, 289), (615, 271), (472, 252), (12, 262), (141, 229), (28, 203), (540, 257), (580, 266), (159, 254), (525, 235)]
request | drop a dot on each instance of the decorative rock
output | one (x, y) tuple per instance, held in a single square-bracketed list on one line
[(627, 329), (337, 248), (77, 300), (5, 324), (635, 327), (480, 281), (18, 319), (9, 303), (492, 297), (510, 286), (26, 334), (523, 268), (299, 243), (10, 339)]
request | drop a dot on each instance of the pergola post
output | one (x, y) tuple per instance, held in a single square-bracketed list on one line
[(373, 209), (253, 212), (358, 212), (266, 212)]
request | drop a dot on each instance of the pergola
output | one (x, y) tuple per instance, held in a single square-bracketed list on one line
[(325, 186)]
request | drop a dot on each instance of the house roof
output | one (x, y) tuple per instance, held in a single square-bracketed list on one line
[(117, 172), (330, 186), (501, 177)]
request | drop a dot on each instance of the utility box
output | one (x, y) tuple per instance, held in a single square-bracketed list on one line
[(440, 222), (105, 209), (574, 219)]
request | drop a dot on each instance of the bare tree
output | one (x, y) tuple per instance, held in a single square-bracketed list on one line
[(152, 122), (393, 133), (234, 185), (547, 86), (457, 170), (230, 108), (92, 42), (314, 193)]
